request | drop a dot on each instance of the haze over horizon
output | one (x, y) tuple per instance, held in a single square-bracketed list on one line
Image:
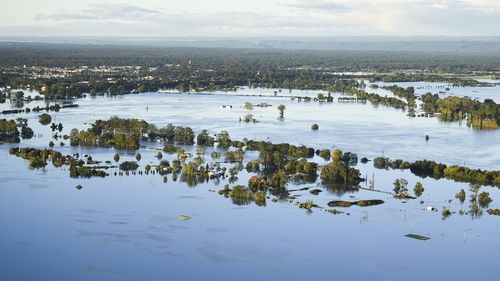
[(220, 18)]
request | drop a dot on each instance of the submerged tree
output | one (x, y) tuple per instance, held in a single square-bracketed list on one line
[(460, 196), (474, 208), (281, 109), (401, 187), (418, 189), (44, 119), (338, 172), (248, 105), (224, 140)]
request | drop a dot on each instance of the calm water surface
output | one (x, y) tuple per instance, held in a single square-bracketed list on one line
[(125, 227)]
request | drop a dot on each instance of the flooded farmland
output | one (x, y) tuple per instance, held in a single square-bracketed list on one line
[(113, 224)]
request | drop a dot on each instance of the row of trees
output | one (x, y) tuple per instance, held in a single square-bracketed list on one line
[(427, 168), (479, 115)]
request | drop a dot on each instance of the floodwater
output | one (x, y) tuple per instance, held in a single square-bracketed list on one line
[(445, 89), (125, 227)]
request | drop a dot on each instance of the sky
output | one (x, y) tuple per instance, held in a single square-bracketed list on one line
[(222, 18)]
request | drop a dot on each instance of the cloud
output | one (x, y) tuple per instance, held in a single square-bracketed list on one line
[(318, 5), (439, 6), (102, 12), (286, 18)]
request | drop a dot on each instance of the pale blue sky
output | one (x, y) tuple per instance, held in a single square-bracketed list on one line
[(250, 18)]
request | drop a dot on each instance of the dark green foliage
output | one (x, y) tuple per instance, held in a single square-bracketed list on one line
[(223, 140), (337, 172), (446, 213), (401, 188), (281, 109), (428, 168), (235, 155), (115, 132), (184, 136), (495, 212), (128, 166), (170, 148), (126, 134), (479, 115), (44, 119), (484, 199), (278, 184), (205, 139), (8, 131), (308, 205), (325, 154), (301, 166), (26, 132), (460, 196), (163, 167), (360, 203), (258, 184), (273, 157), (315, 191), (38, 159), (253, 166), (375, 99), (418, 189), (77, 170)]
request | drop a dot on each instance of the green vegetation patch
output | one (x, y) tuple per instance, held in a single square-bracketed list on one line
[(495, 212)]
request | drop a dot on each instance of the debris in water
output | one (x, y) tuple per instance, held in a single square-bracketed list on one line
[(418, 237), (183, 217)]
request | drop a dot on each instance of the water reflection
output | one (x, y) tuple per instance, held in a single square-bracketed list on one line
[(340, 189)]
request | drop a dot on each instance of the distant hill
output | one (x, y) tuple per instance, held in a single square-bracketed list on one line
[(465, 45)]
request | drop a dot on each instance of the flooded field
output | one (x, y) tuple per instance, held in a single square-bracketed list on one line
[(115, 224), (492, 91)]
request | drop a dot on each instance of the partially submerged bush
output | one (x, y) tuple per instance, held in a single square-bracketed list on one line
[(128, 166), (44, 119)]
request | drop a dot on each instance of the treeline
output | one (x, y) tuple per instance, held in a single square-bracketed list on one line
[(9, 131), (38, 158), (479, 115), (415, 77), (376, 99), (427, 168), (406, 93), (190, 69), (127, 133), (66, 55)]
